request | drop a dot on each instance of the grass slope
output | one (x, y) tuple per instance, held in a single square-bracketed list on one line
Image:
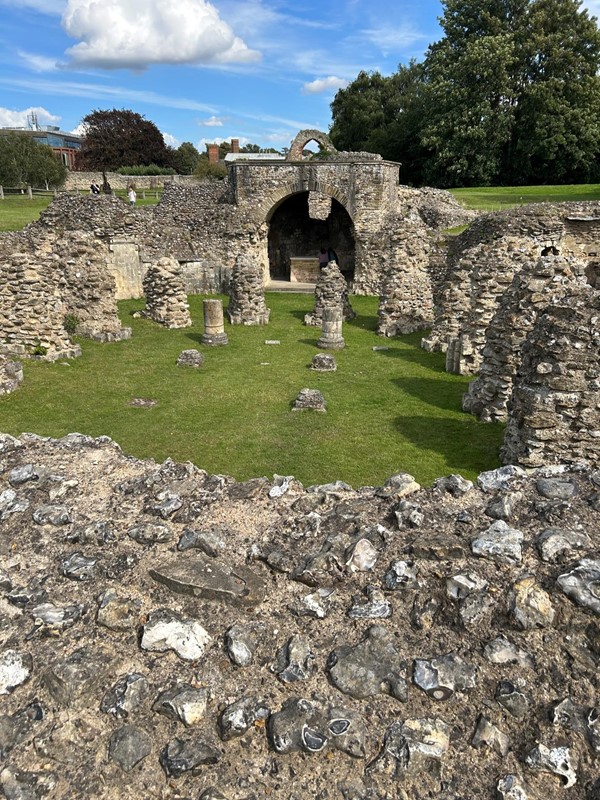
[(495, 198), (387, 411)]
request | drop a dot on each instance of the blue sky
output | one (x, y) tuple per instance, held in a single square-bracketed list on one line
[(202, 71)]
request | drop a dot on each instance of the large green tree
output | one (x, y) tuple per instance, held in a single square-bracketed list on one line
[(25, 162), (120, 138), (509, 94), (185, 158)]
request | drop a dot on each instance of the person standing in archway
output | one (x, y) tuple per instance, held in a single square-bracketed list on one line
[(332, 256), (323, 258)]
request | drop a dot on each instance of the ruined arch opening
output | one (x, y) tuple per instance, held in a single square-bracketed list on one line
[(294, 235)]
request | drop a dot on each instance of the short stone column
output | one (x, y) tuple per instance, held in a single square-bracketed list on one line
[(331, 326), (214, 329)]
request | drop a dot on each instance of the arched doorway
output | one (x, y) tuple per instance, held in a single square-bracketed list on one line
[(293, 234)]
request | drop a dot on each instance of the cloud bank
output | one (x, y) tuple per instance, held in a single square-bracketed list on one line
[(18, 119), (133, 34), (330, 84)]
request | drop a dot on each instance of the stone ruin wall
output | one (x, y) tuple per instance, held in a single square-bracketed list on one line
[(47, 277), (555, 404), (531, 292), (189, 636), (483, 261)]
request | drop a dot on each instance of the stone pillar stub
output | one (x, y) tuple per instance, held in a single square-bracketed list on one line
[(331, 326), (214, 328)]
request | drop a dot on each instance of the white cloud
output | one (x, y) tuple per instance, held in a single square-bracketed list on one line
[(392, 39), (330, 84), (212, 122), (133, 34), (38, 63), (79, 130), (170, 141), (18, 119)]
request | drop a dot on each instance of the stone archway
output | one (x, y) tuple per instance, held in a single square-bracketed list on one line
[(295, 237), (306, 136)]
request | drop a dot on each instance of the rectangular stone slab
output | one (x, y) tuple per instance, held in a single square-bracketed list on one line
[(198, 576)]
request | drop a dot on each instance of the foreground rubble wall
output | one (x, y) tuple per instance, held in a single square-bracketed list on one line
[(187, 635)]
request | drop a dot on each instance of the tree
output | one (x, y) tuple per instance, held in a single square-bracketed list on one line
[(185, 158), (557, 119), (25, 162), (119, 138)]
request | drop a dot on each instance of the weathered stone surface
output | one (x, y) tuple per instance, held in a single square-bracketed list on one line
[(311, 399), (331, 291), (499, 543), (441, 677), (88, 639), (166, 300), (190, 358), (202, 577), (582, 584), (246, 293), (128, 746), (15, 668), (323, 362), (556, 760)]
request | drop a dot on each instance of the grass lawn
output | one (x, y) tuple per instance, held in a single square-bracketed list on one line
[(17, 210), (495, 198), (387, 411)]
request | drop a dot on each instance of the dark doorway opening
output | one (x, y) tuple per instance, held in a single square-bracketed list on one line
[(293, 234)]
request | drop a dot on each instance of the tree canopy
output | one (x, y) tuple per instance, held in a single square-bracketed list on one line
[(509, 94), (23, 161), (119, 138)]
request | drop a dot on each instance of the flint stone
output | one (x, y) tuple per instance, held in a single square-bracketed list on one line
[(182, 702), (22, 596), (410, 514), (505, 506), (570, 715), (23, 474), (212, 793), (209, 542), (168, 630), (187, 755), (203, 577), (237, 718), (309, 399), (303, 726), (397, 486), (530, 605), (582, 584), (78, 567), (296, 661), (555, 489), (460, 586), (371, 667), (126, 695), (52, 515), (150, 533), (454, 485), (128, 746), (376, 607), (190, 358), (510, 788), (424, 611), (362, 556), (72, 681), (19, 726), (499, 543), (510, 698), (500, 479), (11, 504), (18, 785), (241, 642), (316, 604), (501, 651), (118, 613), (401, 575), (415, 746), (556, 760), (323, 363), (15, 668), (56, 618), (554, 543), (488, 735), (441, 677)]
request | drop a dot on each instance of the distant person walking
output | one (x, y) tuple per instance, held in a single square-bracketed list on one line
[(132, 196)]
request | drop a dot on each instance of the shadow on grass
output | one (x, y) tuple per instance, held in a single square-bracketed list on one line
[(365, 321), (195, 337), (435, 362), (312, 342), (464, 444), (432, 391)]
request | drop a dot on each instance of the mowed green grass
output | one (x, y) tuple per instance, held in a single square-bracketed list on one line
[(494, 198), (17, 210), (387, 411)]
